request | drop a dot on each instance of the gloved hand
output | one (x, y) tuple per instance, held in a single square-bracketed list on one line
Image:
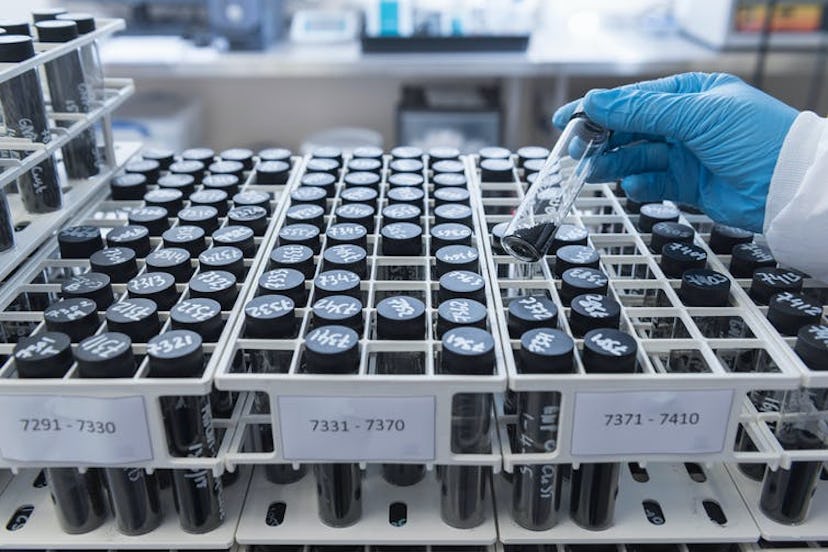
[(708, 140)]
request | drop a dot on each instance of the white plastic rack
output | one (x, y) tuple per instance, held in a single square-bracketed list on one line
[(32, 229)]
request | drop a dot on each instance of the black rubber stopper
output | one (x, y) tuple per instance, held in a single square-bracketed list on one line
[(270, 316), (467, 351), (332, 350), (590, 311), (176, 354), (701, 287), (609, 351)]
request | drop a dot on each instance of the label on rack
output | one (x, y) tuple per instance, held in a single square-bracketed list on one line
[(82, 430), (357, 428), (651, 422)]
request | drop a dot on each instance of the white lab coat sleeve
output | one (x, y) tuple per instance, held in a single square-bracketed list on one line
[(796, 213)]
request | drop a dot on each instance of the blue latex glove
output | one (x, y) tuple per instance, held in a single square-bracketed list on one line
[(708, 140)]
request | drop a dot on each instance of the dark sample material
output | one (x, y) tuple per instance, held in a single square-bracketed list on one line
[(322, 181), (147, 168), (402, 212), (216, 199), (201, 315), (91, 285), (251, 217), (131, 236), (462, 283), (193, 169), (358, 213), (360, 194), (169, 198), (118, 263), (724, 238), (653, 213), (443, 196), (789, 312), (676, 258), (284, 281), (156, 286), (311, 195), (184, 183), (362, 180), (164, 157), (591, 311), (236, 236), (456, 257), (568, 234), (217, 285), (747, 257), (701, 287), (137, 318), (79, 242), (531, 312), (239, 155), (786, 493), (463, 495), (667, 232), (531, 244), (455, 313), (78, 318), (402, 239), (128, 187), (536, 489), (405, 180), (154, 219), (348, 233), (301, 234), (297, 257), (346, 257), (336, 282), (453, 212), (574, 256), (186, 237), (226, 183), (579, 281), (189, 423), (272, 172), (768, 281), (306, 214), (342, 310), (223, 257), (172, 260), (202, 216), (24, 115)]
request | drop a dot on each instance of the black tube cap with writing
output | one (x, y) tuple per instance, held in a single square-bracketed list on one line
[(106, 355), (332, 350), (176, 354), (45, 355), (76, 317), (609, 351), (135, 317)]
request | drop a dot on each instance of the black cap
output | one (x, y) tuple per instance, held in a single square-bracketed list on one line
[(406, 166), (169, 198), (332, 350), (546, 351), (327, 152), (788, 312), (154, 219), (467, 351), (106, 355), (609, 351), (322, 181), (453, 213), (403, 239), (443, 196), (147, 168), (130, 186), (724, 238), (406, 152), (443, 180), (527, 153), (449, 234), (365, 164), (227, 167), (275, 154), (358, 213), (309, 194), (590, 311), (346, 257), (456, 257), (192, 168), (572, 256), (812, 346), (253, 197), (171, 260), (676, 258), (581, 280), (190, 238), (240, 155), (92, 285), (136, 317), (201, 315), (183, 182), (322, 165), (210, 198), (498, 231), (176, 354), (270, 317), (653, 213), (530, 312), (56, 31), (568, 234), (360, 194), (768, 281), (45, 355), (406, 180), (496, 170), (448, 166), (165, 157), (218, 285), (401, 317), (347, 233), (367, 152), (132, 236), (336, 282), (701, 287), (272, 172), (223, 257), (494, 152), (46, 14), (250, 216), (204, 155), (79, 242), (402, 212), (157, 286), (301, 234), (17, 27), (77, 317), (202, 216), (455, 313), (16, 48), (284, 281), (401, 194), (747, 257), (443, 153), (666, 232), (306, 214), (338, 309), (532, 167), (225, 182), (362, 180), (237, 236), (462, 283), (118, 263), (297, 257)]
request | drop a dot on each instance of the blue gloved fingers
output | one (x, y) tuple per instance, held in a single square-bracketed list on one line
[(645, 187), (564, 113), (619, 139), (641, 111), (645, 157)]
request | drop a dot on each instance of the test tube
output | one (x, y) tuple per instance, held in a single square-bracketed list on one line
[(190, 433), (24, 114), (536, 489), (133, 493), (768, 281), (70, 92), (6, 223), (335, 350), (551, 196), (79, 498), (90, 54)]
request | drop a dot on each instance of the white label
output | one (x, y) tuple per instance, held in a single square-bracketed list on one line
[(84, 430), (653, 422), (357, 428)]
